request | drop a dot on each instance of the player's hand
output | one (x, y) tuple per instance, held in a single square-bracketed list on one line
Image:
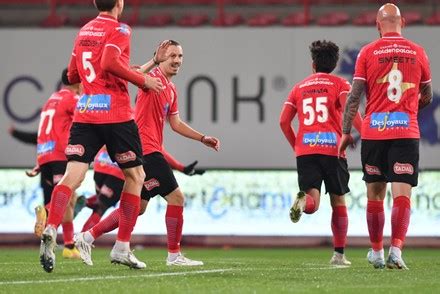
[(34, 172), (154, 84), (135, 67), (346, 140), (211, 142), (160, 55), (190, 169)]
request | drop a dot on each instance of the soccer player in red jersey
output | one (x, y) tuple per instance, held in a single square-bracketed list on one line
[(319, 100), (152, 110), (100, 61), (109, 181), (52, 137), (394, 72)]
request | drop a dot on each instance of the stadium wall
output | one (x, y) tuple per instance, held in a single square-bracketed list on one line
[(232, 85)]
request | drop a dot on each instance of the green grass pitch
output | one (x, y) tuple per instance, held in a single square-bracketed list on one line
[(225, 271)]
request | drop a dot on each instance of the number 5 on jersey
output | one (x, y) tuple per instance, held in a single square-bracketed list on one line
[(87, 65), (319, 112)]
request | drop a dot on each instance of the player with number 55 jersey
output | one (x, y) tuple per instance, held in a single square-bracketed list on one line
[(318, 100)]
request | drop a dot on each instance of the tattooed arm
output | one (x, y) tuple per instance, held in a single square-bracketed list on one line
[(350, 112), (425, 95), (352, 105)]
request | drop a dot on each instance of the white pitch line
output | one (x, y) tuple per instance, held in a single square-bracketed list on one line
[(114, 277)]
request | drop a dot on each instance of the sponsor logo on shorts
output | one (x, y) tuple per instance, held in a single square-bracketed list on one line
[(372, 170), (106, 191), (388, 120), (88, 103), (151, 184), (125, 157), (320, 139), (403, 168), (45, 147), (75, 150)]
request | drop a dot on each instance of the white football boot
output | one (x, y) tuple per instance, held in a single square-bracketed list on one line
[(376, 259), (84, 248), (339, 259), (298, 207), (47, 248), (181, 260), (126, 258)]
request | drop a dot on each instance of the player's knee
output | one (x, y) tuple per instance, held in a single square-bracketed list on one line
[(135, 175), (176, 198)]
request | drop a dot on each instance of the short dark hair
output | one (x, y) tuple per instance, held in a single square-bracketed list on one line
[(105, 5), (175, 43), (325, 55), (64, 78)]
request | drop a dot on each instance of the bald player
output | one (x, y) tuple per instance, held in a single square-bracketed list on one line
[(394, 72)]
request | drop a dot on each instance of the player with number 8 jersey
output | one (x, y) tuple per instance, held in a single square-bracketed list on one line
[(393, 69), (394, 72)]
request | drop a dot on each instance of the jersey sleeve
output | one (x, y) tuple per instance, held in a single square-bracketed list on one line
[(174, 109), (68, 104), (344, 89), (72, 69), (119, 38), (426, 70), (291, 98), (360, 70)]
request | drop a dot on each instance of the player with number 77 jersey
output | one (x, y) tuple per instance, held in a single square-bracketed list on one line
[(319, 100)]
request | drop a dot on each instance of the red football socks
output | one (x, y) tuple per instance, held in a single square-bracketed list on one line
[(106, 225), (310, 205), (67, 232), (93, 220), (128, 214), (375, 221), (339, 226), (400, 216), (60, 198), (174, 223)]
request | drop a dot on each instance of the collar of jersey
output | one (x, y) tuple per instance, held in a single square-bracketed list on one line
[(106, 17), (392, 35), (165, 77)]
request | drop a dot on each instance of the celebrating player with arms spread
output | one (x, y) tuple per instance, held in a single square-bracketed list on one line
[(393, 71), (319, 100), (152, 110), (100, 61)]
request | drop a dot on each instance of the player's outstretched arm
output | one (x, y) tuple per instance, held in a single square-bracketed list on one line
[(185, 130), (425, 95), (286, 117), (174, 163), (350, 112), (189, 169), (111, 63), (22, 136)]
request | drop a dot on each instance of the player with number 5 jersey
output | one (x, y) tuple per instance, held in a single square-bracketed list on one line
[(318, 100), (103, 116), (394, 72)]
